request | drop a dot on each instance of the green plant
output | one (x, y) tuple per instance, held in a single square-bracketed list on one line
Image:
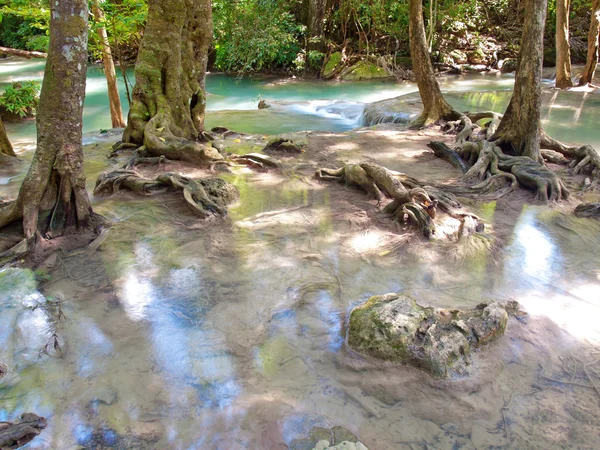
[(21, 98)]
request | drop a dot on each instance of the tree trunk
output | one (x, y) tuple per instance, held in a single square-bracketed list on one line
[(5, 146), (435, 107), (22, 53), (314, 23), (593, 43), (519, 132), (563, 48), (116, 113), (53, 199), (168, 100)]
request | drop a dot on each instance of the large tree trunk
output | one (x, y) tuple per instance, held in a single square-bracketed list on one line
[(593, 44), (169, 101), (315, 11), (53, 199), (435, 107), (5, 146), (116, 113), (563, 48), (519, 132)]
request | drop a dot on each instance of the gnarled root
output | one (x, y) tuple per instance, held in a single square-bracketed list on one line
[(257, 160), (205, 197), (412, 200), (493, 174), (588, 210)]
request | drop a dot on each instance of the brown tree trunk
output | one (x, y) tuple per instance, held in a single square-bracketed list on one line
[(53, 199), (435, 107), (593, 44), (5, 145), (168, 100), (563, 48), (116, 112), (519, 132), (315, 10), (22, 53)]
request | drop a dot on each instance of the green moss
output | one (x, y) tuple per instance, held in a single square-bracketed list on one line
[(334, 60), (364, 70)]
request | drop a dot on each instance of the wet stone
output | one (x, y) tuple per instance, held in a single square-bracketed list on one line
[(394, 327), (337, 438)]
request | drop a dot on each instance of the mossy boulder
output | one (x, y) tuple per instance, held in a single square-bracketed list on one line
[(509, 65), (393, 327), (364, 70), (550, 57), (332, 66), (459, 56)]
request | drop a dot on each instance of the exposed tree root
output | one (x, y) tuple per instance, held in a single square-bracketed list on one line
[(412, 200), (589, 210), (257, 160), (16, 435), (492, 173), (205, 197)]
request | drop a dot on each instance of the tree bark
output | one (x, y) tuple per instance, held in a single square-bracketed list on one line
[(435, 107), (168, 100), (116, 112), (563, 48), (519, 132), (314, 22), (5, 145), (593, 44), (53, 199), (22, 53)]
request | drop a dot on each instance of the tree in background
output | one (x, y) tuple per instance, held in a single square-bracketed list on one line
[(435, 107), (563, 48), (168, 101), (53, 199), (589, 72), (116, 112)]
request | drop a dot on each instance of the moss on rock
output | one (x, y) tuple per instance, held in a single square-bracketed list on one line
[(364, 70), (393, 327), (331, 66)]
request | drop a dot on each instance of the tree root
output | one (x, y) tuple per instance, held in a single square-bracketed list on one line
[(412, 200), (589, 210), (258, 160), (158, 160), (15, 435), (205, 197), (492, 174)]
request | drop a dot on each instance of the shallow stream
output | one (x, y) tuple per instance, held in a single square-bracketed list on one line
[(230, 335)]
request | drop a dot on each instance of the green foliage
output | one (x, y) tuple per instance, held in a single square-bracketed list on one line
[(21, 98), (24, 24), (252, 35)]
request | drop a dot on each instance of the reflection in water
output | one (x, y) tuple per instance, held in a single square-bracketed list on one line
[(233, 336)]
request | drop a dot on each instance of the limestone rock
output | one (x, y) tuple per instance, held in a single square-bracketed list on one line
[(589, 210), (394, 327), (364, 70), (332, 66)]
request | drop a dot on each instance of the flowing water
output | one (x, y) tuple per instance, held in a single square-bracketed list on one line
[(230, 335)]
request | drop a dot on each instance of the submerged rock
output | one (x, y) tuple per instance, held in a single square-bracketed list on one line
[(394, 327), (336, 438)]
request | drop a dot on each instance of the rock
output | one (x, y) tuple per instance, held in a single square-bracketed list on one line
[(332, 66), (337, 438), (550, 57), (509, 65), (263, 104), (476, 57), (364, 70), (340, 434), (588, 210), (280, 145), (394, 327), (323, 445), (220, 191), (459, 56)]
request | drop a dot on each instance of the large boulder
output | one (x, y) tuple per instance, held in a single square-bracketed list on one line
[(364, 70), (393, 327), (332, 66)]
